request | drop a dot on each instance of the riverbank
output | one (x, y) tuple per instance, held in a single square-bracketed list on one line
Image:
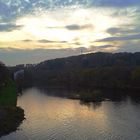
[(10, 115), (10, 119), (8, 94)]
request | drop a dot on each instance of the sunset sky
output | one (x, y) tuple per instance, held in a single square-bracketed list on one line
[(35, 30)]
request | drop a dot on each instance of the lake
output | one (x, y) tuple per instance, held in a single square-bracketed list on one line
[(56, 118)]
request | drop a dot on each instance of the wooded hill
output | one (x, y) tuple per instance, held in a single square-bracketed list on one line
[(102, 70)]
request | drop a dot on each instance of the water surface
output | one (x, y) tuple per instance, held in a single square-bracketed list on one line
[(56, 118)]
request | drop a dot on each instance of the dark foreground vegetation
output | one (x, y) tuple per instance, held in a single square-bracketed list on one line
[(88, 71), (10, 115), (10, 119)]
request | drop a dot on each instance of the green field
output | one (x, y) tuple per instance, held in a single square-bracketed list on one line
[(8, 95)]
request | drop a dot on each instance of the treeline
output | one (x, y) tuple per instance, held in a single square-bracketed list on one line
[(3, 74), (10, 115), (100, 70), (8, 95)]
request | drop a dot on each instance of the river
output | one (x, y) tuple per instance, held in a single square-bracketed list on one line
[(56, 118)]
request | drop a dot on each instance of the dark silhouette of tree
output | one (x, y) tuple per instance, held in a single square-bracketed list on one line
[(100, 70)]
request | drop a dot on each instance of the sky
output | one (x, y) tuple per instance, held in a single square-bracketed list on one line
[(35, 30)]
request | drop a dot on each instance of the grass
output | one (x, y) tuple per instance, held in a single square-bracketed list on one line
[(8, 95), (10, 115)]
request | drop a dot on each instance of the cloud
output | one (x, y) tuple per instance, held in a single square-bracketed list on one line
[(27, 40), (124, 30), (78, 27), (122, 38), (11, 9), (73, 27), (4, 9), (130, 46), (60, 3), (70, 16), (115, 3), (12, 56), (104, 46), (7, 27), (50, 41), (114, 30)]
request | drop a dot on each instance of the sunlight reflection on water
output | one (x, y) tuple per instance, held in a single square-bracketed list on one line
[(55, 118)]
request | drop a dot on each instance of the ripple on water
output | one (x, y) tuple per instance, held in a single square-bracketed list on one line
[(54, 118)]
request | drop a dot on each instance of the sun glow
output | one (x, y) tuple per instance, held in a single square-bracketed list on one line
[(76, 27)]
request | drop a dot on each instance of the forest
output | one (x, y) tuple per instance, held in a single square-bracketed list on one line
[(10, 115), (86, 71)]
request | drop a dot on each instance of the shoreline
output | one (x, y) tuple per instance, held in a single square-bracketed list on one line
[(10, 119), (90, 95)]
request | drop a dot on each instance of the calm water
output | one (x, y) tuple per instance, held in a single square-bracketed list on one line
[(55, 118)]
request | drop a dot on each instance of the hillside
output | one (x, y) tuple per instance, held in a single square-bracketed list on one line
[(92, 60), (88, 71)]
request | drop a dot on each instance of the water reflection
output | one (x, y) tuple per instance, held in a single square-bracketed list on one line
[(51, 117), (94, 105), (95, 97)]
